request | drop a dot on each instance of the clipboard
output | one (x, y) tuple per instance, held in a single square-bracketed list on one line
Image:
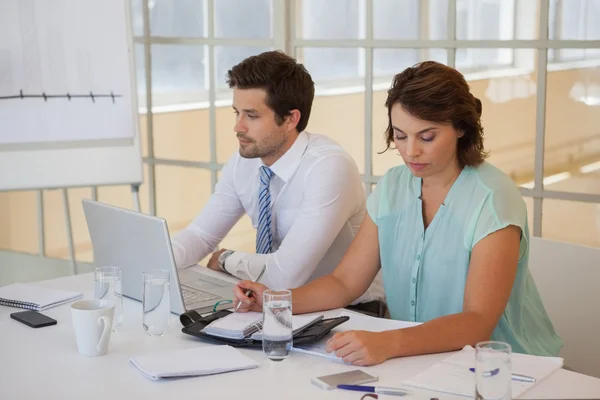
[(193, 324)]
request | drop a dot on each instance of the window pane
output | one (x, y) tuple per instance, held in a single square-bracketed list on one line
[(496, 19), (571, 221), (137, 17), (328, 65), (389, 62), (243, 19), (396, 19), (331, 19), (469, 60), (178, 74), (228, 56), (572, 143), (438, 19), (180, 194), (179, 18), (140, 74)]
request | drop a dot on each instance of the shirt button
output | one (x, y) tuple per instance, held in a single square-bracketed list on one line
[(412, 303), (418, 257), (414, 280), (422, 235)]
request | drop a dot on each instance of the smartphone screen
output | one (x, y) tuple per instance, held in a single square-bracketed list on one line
[(33, 319), (355, 377)]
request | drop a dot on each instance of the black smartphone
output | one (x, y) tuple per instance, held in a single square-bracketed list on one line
[(33, 319)]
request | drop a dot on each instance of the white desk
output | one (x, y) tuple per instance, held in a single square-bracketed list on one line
[(44, 364)]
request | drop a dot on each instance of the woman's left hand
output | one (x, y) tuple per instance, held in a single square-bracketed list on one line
[(359, 347)]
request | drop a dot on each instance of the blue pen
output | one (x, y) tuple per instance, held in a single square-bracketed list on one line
[(515, 377), (375, 389)]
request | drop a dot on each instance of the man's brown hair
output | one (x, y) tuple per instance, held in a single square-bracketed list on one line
[(437, 93), (288, 84)]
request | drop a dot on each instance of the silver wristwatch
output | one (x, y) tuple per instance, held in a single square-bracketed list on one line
[(222, 257)]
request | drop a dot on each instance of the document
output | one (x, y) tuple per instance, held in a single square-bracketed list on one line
[(356, 322), (196, 361)]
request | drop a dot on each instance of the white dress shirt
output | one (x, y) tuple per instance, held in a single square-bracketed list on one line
[(318, 204)]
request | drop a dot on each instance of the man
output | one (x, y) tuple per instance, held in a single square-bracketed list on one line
[(302, 191)]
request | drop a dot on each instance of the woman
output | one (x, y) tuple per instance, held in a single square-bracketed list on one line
[(448, 230)]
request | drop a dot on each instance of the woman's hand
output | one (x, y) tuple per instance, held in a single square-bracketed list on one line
[(359, 347), (252, 302)]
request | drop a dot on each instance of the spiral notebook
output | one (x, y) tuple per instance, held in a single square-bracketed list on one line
[(249, 325), (32, 297)]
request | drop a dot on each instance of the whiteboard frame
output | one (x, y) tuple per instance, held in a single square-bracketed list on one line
[(86, 166)]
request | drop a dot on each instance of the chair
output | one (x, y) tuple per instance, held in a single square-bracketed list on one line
[(568, 279)]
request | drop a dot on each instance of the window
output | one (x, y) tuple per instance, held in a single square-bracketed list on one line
[(400, 20), (180, 71), (484, 20), (574, 20)]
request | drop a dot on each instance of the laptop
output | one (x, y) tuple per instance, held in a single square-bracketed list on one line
[(138, 242)]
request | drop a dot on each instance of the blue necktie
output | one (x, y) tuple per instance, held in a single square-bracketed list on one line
[(264, 236)]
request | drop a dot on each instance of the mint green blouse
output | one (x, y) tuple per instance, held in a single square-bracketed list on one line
[(425, 271)]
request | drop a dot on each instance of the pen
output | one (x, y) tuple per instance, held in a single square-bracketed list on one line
[(375, 389), (262, 271), (515, 377)]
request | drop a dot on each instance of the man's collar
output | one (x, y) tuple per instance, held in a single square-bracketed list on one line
[(287, 164)]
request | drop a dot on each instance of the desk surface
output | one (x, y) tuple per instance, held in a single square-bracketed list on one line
[(44, 364)]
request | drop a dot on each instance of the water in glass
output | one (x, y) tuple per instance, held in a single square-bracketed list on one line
[(107, 286), (277, 329), (157, 305)]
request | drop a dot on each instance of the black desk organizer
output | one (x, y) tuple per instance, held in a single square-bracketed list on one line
[(193, 324)]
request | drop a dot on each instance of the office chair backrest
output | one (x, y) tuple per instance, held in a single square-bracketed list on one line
[(568, 279)]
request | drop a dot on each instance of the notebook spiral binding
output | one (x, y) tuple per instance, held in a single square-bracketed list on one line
[(20, 304)]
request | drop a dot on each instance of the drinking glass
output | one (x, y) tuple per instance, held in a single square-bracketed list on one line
[(277, 324), (156, 302), (107, 286), (493, 371)]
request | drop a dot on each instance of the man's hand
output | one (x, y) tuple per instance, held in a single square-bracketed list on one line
[(213, 263), (359, 347)]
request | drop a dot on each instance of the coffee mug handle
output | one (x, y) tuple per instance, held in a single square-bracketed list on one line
[(105, 332)]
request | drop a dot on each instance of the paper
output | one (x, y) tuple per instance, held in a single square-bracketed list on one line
[(452, 375), (233, 325), (34, 297), (356, 322), (192, 362)]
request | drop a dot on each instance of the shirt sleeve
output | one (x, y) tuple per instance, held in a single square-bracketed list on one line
[(374, 200), (216, 219), (333, 192), (501, 208)]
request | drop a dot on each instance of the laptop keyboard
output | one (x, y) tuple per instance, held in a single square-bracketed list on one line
[(192, 296)]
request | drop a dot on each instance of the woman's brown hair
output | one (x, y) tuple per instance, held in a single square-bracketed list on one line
[(437, 93)]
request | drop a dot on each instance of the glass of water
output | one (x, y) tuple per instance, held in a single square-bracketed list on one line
[(107, 286), (277, 324), (156, 302), (493, 376)]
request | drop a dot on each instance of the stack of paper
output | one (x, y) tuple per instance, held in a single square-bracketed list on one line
[(356, 322), (192, 362), (33, 297), (452, 375)]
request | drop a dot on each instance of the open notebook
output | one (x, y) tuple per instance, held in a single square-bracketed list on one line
[(249, 325), (34, 297), (452, 375)]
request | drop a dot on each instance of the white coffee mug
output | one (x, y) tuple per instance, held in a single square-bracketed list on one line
[(92, 321)]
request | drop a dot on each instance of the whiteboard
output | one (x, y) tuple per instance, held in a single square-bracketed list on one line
[(68, 109)]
